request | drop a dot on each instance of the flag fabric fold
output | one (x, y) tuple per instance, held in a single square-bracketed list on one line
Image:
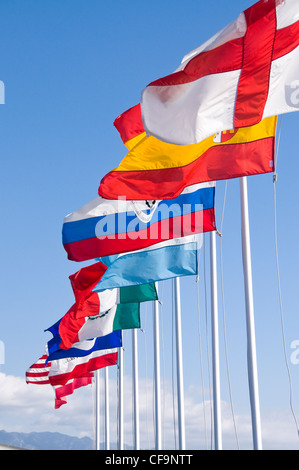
[(106, 227), (161, 170), (243, 74), (68, 389)]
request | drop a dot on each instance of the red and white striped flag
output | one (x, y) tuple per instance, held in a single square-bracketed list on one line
[(38, 374), (245, 73)]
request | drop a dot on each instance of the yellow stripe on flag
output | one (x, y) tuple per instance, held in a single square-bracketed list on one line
[(149, 153)]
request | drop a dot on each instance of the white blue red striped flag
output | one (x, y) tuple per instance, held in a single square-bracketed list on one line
[(106, 227)]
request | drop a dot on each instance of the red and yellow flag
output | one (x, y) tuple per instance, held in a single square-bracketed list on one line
[(158, 170)]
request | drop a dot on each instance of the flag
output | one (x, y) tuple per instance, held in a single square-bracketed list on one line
[(130, 126), (62, 391), (124, 314), (243, 74), (75, 367), (165, 260), (119, 310), (119, 317), (154, 169), (38, 374), (90, 303), (82, 348), (106, 227), (82, 283)]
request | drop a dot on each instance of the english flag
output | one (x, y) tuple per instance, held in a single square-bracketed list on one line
[(245, 73)]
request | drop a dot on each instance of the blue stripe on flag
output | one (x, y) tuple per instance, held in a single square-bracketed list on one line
[(118, 223), (113, 340)]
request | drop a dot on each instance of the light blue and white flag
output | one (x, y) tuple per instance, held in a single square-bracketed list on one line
[(165, 260)]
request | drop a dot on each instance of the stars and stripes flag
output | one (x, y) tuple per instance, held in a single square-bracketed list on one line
[(69, 373), (38, 374)]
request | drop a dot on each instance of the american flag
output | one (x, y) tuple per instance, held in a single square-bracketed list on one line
[(39, 371), (38, 374)]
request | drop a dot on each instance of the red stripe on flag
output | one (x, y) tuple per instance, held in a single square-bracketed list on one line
[(115, 244), (224, 58), (286, 40), (68, 389), (38, 374), (38, 381), (231, 161), (221, 59), (81, 370), (39, 365), (258, 49)]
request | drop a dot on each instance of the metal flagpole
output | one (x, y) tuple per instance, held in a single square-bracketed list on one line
[(107, 414), (180, 381), (97, 409), (251, 345), (120, 400), (135, 390), (157, 374), (215, 345)]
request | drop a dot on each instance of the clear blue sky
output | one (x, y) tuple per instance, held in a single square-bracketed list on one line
[(70, 67)]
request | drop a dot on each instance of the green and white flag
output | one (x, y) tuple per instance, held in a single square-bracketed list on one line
[(124, 295)]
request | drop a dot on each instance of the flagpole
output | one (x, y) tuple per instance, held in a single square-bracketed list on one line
[(97, 409), (180, 382), (251, 344), (157, 374), (215, 345), (120, 399), (107, 415), (135, 390)]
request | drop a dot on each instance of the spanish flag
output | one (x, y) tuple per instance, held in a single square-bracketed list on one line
[(158, 170)]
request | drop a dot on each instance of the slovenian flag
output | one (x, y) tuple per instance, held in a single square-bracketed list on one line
[(107, 227)]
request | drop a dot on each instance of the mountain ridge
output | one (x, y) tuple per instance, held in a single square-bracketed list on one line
[(45, 441)]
